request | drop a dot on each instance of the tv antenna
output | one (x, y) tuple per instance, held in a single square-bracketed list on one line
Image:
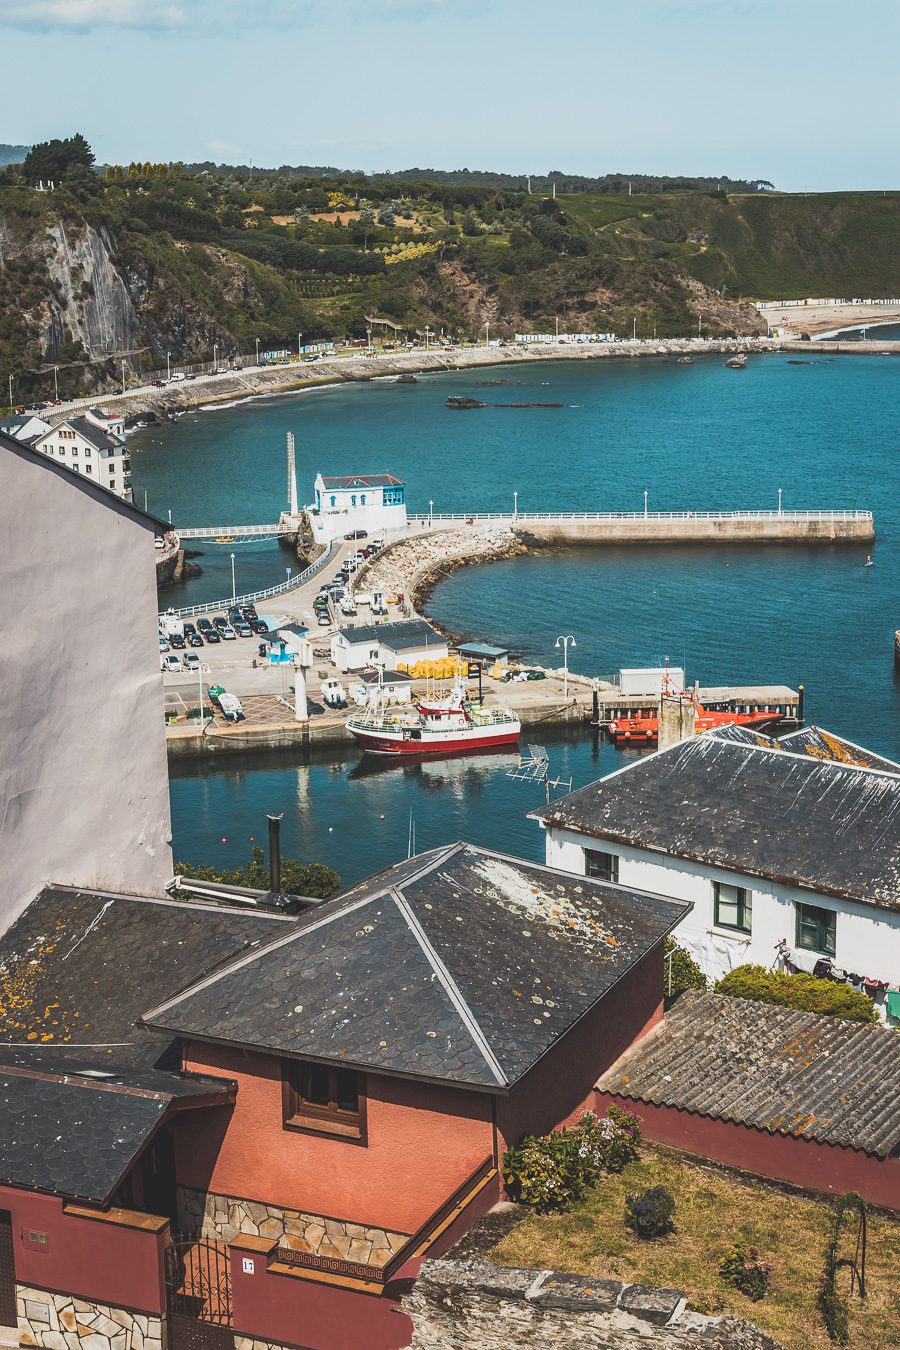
[(534, 767)]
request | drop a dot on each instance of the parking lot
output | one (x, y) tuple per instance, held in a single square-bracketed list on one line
[(237, 664)]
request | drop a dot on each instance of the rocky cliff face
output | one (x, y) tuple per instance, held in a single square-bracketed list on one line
[(90, 303)]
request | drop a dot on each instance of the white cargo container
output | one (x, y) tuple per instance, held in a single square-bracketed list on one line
[(647, 680)]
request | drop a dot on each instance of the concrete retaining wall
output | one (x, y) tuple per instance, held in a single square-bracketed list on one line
[(784, 529)]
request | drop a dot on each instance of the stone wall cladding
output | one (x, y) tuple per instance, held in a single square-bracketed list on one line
[(473, 1305), (63, 1322), (225, 1216)]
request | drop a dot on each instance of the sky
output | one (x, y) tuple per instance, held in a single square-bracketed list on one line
[(799, 92)]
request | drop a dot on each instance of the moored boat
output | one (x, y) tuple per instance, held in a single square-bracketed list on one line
[(643, 728), (432, 726)]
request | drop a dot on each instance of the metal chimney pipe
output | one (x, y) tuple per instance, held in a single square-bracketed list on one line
[(800, 693), (275, 853)]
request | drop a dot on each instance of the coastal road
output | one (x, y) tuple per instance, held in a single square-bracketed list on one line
[(817, 320)]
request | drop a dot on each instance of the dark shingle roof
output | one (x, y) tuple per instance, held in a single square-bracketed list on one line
[(77, 1138), (760, 810), (772, 1068), (78, 969), (397, 636), (103, 440), (459, 965), (821, 744), (368, 480)]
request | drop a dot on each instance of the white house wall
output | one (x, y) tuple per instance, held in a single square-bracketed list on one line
[(83, 779), (867, 939)]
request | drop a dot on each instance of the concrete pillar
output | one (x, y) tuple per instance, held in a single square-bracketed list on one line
[(301, 704), (677, 717)]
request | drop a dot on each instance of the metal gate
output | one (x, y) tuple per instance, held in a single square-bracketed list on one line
[(198, 1295), (7, 1271)]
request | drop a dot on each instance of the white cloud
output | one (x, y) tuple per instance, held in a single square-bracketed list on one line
[(82, 15), (223, 148)]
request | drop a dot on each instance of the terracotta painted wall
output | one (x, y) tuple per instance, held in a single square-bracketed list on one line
[(820, 1167), (561, 1086), (422, 1143), (98, 1261), (285, 1310)]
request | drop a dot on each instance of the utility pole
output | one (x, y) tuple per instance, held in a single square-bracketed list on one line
[(299, 336), (168, 366), (215, 358), (257, 351), (10, 392), (292, 475), (56, 382), (634, 328), (699, 323), (123, 376)]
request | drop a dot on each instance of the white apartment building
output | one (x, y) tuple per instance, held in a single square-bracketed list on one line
[(84, 794), (789, 850), (371, 502), (92, 445)]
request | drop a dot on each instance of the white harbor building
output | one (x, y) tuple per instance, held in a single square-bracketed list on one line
[(371, 502)]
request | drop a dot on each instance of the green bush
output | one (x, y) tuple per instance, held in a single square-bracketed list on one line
[(681, 971), (297, 878), (742, 1268), (551, 1172), (801, 991), (650, 1213)]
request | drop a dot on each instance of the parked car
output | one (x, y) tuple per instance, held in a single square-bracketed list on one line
[(169, 663), (259, 626), (176, 641), (190, 661), (220, 622), (194, 639), (227, 633), (163, 645), (249, 613), (204, 625), (212, 635), (158, 384), (189, 628), (158, 541), (377, 544), (324, 621), (357, 534), (243, 629)]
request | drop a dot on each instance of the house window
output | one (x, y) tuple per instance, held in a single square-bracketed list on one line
[(87, 452), (62, 450), (601, 866), (816, 929), (88, 469), (333, 501), (733, 906), (74, 449), (353, 499), (322, 1097)]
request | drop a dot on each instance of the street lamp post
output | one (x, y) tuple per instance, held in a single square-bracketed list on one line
[(646, 500), (368, 337), (123, 376), (56, 382), (10, 391), (515, 506), (257, 351), (215, 358), (487, 334), (233, 586), (565, 643), (287, 573), (168, 366), (779, 501), (299, 336), (430, 514)]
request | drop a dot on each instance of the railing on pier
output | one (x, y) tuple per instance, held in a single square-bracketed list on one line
[(237, 531), (517, 516), (281, 589)]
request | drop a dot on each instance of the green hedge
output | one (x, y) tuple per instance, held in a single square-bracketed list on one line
[(800, 991)]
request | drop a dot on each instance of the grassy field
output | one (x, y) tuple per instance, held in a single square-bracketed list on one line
[(714, 1209)]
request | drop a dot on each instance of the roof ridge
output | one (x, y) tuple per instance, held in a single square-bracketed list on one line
[(297, 930), (451, 988)]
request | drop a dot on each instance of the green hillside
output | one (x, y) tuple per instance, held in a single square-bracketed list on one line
[(158, 259)]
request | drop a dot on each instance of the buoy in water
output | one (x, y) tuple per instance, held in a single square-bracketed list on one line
[(224, 841), (381, 817)]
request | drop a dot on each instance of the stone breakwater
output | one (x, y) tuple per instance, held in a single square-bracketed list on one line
[(473, 1305), (414, 566)]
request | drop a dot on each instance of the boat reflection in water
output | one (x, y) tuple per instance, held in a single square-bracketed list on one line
[(460, 774)]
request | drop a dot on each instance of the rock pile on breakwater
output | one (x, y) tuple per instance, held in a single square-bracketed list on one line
[(413, 566)]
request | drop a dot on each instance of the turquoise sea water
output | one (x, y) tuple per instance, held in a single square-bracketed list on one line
[(696, 437)]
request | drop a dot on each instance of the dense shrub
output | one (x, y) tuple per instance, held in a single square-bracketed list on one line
[(801, 991), (551, 1172), (742, 1268), (650, 1213), (297, 878), (681, 971)]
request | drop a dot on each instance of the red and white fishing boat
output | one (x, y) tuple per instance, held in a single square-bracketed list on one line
[(433, 725)]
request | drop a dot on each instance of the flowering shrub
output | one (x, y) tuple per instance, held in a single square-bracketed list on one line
[(650, 1212), (742, 1268), (552, 1172)]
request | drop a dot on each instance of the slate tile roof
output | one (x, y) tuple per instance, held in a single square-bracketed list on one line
[(772, 1068), (730, 800), (396, 636), (77, 970), (820, 744), (459, 965), (74, 1137)]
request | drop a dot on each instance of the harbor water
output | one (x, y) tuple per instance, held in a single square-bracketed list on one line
[(695, 437)]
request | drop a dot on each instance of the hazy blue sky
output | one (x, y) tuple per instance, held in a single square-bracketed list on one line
[(798, 91)]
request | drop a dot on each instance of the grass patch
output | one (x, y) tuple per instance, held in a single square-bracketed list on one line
[(714, 1209)]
